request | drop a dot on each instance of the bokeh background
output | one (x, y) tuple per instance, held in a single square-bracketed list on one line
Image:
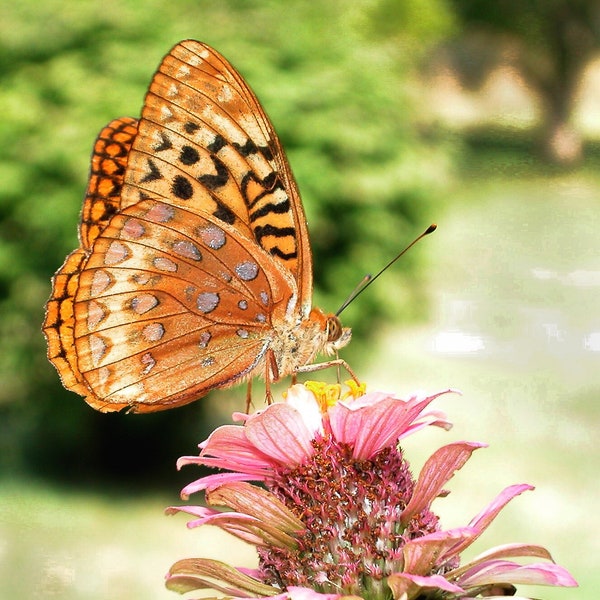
[(483, 117)]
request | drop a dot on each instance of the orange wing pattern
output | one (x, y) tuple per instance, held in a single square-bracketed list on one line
[(194, 269), (205, 143), (102, 201)]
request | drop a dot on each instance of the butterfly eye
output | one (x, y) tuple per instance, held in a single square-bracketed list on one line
[(334, 328)]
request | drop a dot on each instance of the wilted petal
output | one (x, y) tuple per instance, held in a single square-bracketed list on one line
[(248, 529), (253, 530), (242, 526), (192, 574), (212, 481), (504, 571), (410, 585), (302, 593), (280, 433), (437, 470), (201, 512), (422, 554), (256, 502), (258, 517)]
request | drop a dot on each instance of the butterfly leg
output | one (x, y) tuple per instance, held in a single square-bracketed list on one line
[(248, 396), (336, 362), (338, 369), (271, 374)]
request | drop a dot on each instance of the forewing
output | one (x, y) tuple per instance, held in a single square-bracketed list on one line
[(206, 144)]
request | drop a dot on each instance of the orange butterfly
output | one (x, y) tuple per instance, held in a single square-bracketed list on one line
[(194, 269)]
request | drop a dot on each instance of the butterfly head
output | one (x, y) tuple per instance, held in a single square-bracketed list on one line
[(337, 336)]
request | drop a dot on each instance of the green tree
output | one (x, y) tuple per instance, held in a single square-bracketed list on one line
[(554, 39)]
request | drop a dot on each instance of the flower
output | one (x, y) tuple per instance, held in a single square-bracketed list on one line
[(339, 513)]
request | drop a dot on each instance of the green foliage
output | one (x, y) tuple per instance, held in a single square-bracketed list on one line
[(551, 42), (340, 96)]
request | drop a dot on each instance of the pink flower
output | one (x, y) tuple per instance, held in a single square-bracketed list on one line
[(341, 514)]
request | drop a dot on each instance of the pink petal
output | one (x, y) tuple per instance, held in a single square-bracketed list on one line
[(255, 573), (430, 418), (228, 447), (247, 529), (481, 522), (437, 470), (374, 421), (422, 555), (211, 481), (306, 404), (280, 433), (499, 552), (301, 593), (513, 550), (488, 514), (406, 583), (503, 571), (197, 511)]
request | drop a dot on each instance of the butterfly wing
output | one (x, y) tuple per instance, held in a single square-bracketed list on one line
[(206, 144), (102, 201), (107, 173), (170, 305), (136, 319)]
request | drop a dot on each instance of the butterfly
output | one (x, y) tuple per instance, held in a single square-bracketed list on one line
[(194, 268)]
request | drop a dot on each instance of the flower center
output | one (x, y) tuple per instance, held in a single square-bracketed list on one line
[(351, 508)]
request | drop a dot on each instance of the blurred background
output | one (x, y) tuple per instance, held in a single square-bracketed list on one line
[(483, 117)]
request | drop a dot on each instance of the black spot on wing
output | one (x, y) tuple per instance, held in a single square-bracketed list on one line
[(182, 188), (217, 144), (153, 172), (267, 152), (224, 213), (247, 149), (165, 143), (191, 127), (189, 155), (214, 181)]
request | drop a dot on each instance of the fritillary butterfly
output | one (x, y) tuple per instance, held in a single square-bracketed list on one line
[(194, 269)]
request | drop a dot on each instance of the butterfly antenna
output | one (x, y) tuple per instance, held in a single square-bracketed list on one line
[(367, 280)]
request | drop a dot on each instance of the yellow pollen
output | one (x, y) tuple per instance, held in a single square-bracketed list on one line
[(327, 394), (356, 390)]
